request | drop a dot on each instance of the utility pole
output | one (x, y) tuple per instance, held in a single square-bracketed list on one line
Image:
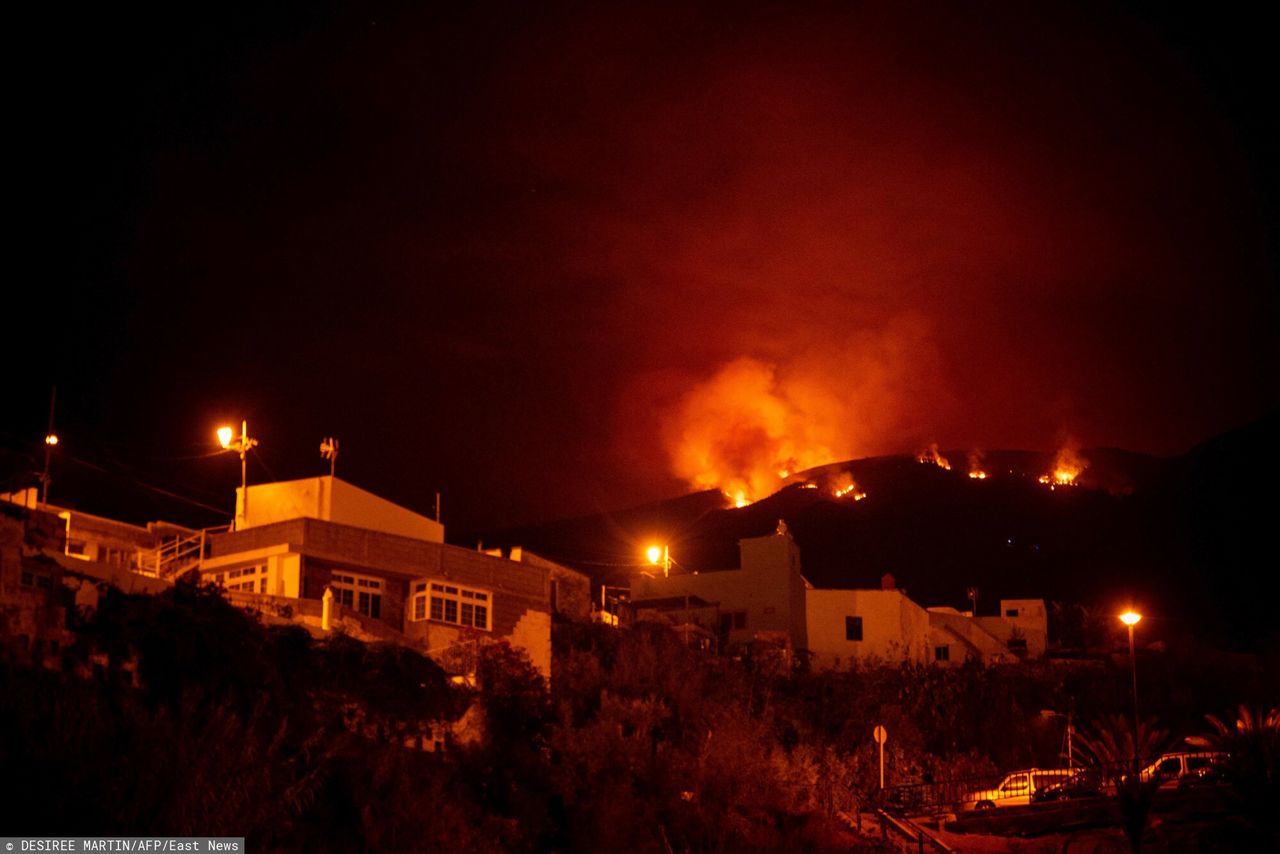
[(50, 439)]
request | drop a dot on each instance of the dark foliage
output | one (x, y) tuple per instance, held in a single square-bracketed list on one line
[(233, 727)]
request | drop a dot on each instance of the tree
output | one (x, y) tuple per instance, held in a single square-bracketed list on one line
[(1252, 765), (1113, 745)]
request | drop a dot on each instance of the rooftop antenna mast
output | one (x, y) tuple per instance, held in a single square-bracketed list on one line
[(329, 450)]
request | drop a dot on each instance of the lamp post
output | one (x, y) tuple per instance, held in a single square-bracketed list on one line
[(227, 439), (50, 440), (1130, 618), (660, 554)]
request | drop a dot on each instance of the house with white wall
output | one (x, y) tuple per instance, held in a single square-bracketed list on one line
[(763, 597), (847, 628), (769, 596), (384, 570)]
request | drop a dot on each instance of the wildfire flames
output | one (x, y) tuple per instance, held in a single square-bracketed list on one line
[(750, 429), (975, 466), (745, 432), (844, 485), (1066, 468), (931, 455)]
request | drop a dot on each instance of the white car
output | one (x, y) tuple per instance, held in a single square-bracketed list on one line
[(1016, 788), (1170, 768)]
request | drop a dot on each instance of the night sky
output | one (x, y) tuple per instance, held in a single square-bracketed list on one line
[(522, 254)]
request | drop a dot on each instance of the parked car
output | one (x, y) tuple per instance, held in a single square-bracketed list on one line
[(1208, 775), (1016, 789), (1172, 768), (1084, 784)]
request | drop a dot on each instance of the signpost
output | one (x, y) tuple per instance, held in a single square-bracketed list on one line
[(881, 736)]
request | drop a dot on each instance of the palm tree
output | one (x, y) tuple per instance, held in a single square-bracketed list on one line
[(1252, 765), (1112, 746)]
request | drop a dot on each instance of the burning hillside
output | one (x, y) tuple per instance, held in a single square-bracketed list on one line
[(1066, 467), (746, 432)]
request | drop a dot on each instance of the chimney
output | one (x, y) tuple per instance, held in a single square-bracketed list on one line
[(886, 581)]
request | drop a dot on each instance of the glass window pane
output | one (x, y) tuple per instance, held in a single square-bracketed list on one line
[(450, 611)]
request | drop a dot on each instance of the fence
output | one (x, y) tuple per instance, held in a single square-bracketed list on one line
[(1034, 785)]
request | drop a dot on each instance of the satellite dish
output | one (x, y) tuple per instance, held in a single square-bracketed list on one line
[(329, 451)]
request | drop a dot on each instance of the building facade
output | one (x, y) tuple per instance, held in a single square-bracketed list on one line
[(765, 596), (769, 597), (389, 570)]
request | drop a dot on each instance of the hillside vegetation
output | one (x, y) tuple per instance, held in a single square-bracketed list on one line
[(231, 727)]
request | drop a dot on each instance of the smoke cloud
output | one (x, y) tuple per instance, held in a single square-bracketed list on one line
[(754, 423)]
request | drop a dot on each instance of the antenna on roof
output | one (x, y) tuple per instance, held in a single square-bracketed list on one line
[(329, 450)]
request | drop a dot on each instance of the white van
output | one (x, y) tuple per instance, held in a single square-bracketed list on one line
[(1170, 768), (1016, 788)]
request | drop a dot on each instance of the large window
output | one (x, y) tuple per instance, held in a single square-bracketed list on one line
[(942, 653), (246, 578), (445, 602), (853, 628), (359, 592)]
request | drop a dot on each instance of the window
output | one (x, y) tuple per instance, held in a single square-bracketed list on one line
[(733, 620), (244, 579), (360, 592), (1011, 612), (853, 628), (27, 578), (1015, 785), (460, 605), (420, 601), (1017, 644), (942, 653)]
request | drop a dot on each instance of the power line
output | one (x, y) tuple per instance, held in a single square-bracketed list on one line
[(143, 484)]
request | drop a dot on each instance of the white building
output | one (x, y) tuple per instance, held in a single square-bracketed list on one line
[(768, 596), (388, 571), (851, 627), (765, 597)]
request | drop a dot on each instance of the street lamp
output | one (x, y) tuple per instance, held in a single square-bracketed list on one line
[(228, 440), (50, 441), (660, 554), (1130, 618)]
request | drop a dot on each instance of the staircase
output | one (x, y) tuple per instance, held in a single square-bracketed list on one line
[(175, 556)]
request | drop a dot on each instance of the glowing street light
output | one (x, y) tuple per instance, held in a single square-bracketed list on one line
[(241, 445), (660, 554), (50, 439), (1130, 618)]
